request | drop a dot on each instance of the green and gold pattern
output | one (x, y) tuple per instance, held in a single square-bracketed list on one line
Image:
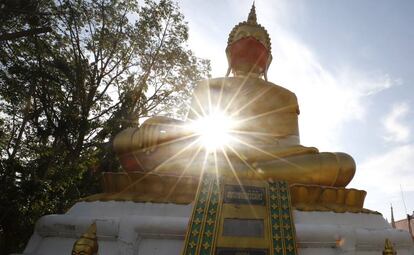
[(203, 224), (212, 214), (202, 234), (282, 225)]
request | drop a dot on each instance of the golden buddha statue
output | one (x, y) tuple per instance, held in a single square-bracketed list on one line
[(87, 244), (262, 141), (388, 248)]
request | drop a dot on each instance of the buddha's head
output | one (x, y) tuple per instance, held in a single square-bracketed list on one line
[(248, 48)]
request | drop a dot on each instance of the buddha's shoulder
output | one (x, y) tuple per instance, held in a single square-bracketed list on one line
[(253, 84)]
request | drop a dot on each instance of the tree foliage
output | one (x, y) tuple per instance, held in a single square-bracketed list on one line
[(64, 94)]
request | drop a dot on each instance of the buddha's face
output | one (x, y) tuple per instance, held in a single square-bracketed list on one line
[(248, 51)]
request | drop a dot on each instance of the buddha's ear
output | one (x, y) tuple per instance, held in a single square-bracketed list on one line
[(228, 61), (265, 71), (269, 60), (228, 71)]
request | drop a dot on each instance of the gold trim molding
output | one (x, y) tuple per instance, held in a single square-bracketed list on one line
[(163, 188), (146, 187), (322, 198)]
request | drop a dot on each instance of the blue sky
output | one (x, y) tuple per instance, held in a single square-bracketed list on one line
[(351, 65)]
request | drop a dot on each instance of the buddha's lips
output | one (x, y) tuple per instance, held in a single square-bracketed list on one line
[(248, 52)]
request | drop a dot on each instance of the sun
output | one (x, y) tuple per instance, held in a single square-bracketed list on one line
[(213, 130)]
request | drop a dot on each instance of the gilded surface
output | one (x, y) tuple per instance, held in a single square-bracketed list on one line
[(145, 187), (318, 198), (266, 141), (255, 30), (87, 244), (388, 248)]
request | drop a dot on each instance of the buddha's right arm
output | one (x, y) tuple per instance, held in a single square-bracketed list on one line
[(152, 132)]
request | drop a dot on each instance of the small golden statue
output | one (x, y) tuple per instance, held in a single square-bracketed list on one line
[(389, 248), (260, 120), (87, 244)]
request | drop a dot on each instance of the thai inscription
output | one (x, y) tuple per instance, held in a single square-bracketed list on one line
[(235, 194)]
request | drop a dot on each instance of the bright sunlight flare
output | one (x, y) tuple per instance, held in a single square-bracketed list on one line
[(213, 130)]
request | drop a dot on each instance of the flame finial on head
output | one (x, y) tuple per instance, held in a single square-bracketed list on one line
[(252, 18)]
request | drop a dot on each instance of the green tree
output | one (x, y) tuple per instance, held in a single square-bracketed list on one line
[(64, 94)]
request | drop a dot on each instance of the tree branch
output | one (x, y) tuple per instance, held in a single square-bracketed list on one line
[(24, 33)]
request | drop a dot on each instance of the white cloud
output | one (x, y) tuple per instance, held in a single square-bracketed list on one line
[(383, 176), (385, 172), (327, 99), (396, 130)]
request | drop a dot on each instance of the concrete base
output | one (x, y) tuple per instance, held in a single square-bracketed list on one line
[(128, 228)]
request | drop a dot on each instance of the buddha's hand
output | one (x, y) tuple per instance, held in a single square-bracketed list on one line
[(157, 130)]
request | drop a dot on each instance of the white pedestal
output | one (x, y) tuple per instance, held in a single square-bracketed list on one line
[(128, 228)]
